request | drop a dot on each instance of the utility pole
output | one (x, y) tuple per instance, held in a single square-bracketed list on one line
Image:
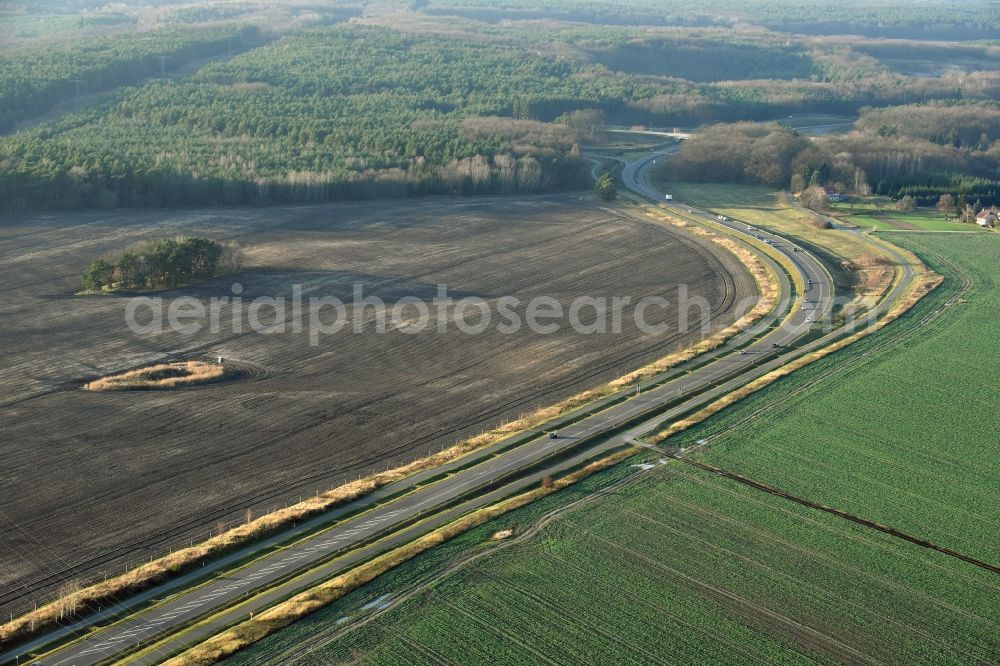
[(637, 389)]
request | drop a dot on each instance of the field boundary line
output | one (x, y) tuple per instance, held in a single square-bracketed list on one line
[(208, 652), (864, 522)]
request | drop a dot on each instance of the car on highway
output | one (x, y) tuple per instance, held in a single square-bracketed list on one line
[(553, 435)]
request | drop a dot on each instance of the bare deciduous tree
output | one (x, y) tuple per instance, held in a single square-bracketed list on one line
[(815, 198), (946, 204)]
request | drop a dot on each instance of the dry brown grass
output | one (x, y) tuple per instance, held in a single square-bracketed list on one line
[(873, 277), (160, 376), (170, 565), (228, 642)]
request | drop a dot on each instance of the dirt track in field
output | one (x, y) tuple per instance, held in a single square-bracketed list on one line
[(96, 481)]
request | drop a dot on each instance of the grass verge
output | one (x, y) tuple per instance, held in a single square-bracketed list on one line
[(254, 629)]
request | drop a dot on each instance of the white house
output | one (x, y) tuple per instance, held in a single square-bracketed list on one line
[(834, 195), (986, 218)]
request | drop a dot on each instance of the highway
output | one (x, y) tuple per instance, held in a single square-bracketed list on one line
[(500, 472)]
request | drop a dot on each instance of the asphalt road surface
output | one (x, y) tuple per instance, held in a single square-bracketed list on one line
[(362, 535)]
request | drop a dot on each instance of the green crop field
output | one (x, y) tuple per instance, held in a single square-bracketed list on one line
[(916, 221), (870, 222), (929, 220), (907, 437), (680, 566)]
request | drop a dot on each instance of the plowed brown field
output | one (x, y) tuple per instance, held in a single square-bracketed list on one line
[(92, 482)]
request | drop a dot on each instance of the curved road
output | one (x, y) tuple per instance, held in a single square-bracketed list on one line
[(425, 501)]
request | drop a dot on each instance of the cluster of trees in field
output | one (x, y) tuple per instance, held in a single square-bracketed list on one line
[(161, 263), (862, 163), (34, 80)]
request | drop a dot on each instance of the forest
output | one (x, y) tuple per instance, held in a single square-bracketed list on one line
[(961, 124), (712, 57), (331, 113), (920, 19), (32, 81), (407, 103), (752, 153)]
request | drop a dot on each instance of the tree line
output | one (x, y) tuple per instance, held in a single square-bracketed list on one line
[(861, 162), (161, 263), (969, 124), (936, 19)]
